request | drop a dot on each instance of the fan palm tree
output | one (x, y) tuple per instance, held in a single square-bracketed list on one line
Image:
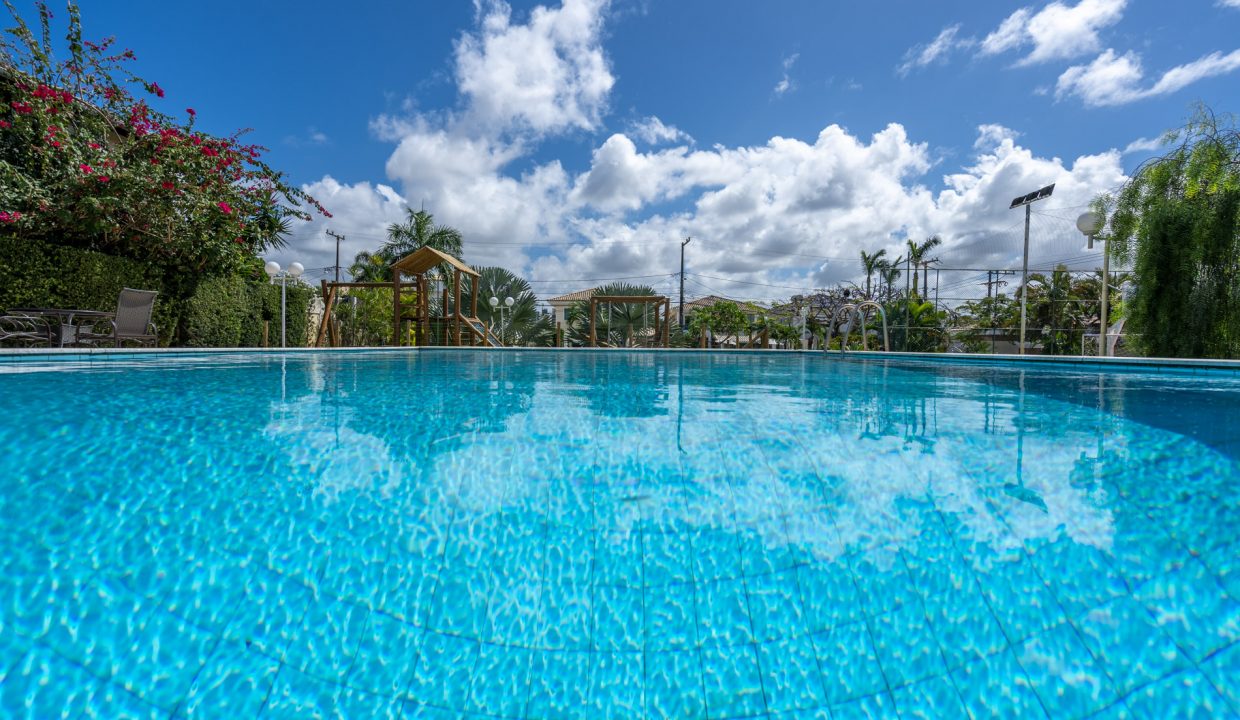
[(521, 324), (871, 262), (917, 253), (616, 323)]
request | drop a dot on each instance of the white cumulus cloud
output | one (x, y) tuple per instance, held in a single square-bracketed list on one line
[(768, 219), (544, 76), (1056, 32), (1113, 79)]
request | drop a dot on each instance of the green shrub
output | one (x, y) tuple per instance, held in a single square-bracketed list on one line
[(220, 312), (215, 313), (38, 274), (230, 312)]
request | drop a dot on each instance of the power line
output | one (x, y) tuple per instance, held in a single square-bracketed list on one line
[(746, 282), (589, 280)]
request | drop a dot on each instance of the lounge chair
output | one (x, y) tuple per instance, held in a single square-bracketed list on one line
[(24, 330), (132, 320), (1114, 333)]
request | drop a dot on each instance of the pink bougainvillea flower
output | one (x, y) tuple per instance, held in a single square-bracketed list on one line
[(94, 146), (86, 169), (10, 217), (167, 185), (4, 123), (225, 207), (210, 152), (155, 88), (21, 108), (103, 178), (191, 111), (55, 143)]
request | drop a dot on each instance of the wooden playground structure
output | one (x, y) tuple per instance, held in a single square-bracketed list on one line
[(661, 337), (451, 325)]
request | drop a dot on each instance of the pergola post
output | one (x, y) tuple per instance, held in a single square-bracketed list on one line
[(396, 306), (456, 305), (593, 334)]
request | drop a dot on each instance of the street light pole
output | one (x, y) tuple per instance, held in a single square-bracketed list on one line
[(272, 268), (1027, 201), (495, 306), (682, 282), (1089, 223)]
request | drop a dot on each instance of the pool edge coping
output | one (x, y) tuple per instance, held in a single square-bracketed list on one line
[(1147, 363)]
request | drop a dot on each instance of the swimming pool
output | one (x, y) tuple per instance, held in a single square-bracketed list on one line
[(511, 534)]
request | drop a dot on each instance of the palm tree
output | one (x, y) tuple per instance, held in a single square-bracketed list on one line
[(522, 323), (888, 273), (371, 267), (418, 231), (917, 253), (617, 324), (871, 262)]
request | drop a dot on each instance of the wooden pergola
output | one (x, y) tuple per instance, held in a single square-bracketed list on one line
[(456, 325), (662, 328)]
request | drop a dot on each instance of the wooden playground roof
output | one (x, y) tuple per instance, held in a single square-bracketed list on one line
[(422, 260)]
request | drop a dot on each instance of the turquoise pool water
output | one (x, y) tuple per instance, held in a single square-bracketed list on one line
[(444, 534)]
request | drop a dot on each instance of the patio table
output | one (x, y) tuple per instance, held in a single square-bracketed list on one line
[(67, 330)]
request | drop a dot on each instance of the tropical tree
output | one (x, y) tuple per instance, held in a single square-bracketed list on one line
[(520, 325), (979, 320), (1177, 222), (926, 327), (1059, 309), (917, 256), (618, 324), (365, 316), (888, 273), (371, 267), (871, 263), (724, 319), (418, 231), (87, 160)]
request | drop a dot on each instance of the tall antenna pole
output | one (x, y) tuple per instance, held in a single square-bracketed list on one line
[(682, 282), (338, 239)]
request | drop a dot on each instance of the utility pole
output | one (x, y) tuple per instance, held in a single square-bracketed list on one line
[(338, 239), (681, 312), (907, 260)]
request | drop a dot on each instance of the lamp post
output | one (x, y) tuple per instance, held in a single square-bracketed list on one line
[(1025, 201), (273, 271), (508, 303), (1089, 223)]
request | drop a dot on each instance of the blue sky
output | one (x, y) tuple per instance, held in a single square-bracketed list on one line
[(584, 139)]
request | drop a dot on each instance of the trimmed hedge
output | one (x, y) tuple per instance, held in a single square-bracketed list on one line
[(36, 274), (230, 312), (221, 312)]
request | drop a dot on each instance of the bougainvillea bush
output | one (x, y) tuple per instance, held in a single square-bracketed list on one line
[(87, 160)]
